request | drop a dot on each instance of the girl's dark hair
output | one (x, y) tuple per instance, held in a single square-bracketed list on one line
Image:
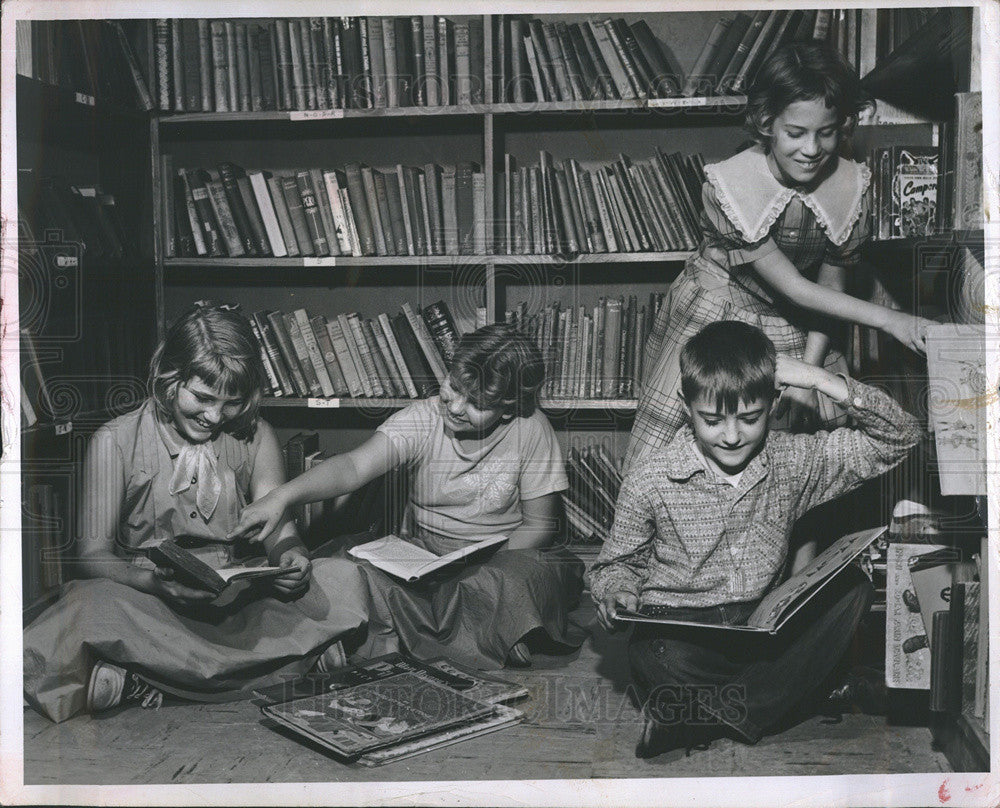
[(216, 344), (498, 367), (729, 361), (803, 71)]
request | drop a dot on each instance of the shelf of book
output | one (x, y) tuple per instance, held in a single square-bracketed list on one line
[(35, 93), (625, 405)]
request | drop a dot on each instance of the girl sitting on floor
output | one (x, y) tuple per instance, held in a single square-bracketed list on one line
[(482, 461), (186, 462)]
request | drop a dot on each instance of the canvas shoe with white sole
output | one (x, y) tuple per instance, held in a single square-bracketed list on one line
[(111, 685)]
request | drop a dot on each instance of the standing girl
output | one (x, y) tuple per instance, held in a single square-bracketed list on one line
[(187, 462), (482, 461), (783, 222)]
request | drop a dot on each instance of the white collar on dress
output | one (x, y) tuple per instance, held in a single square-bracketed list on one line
[(753, 199)]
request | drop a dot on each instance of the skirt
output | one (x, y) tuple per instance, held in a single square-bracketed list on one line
[(205, 653), (474, 612), (690, 307)]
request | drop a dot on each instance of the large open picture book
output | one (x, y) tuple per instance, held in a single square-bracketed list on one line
[(409, 561)]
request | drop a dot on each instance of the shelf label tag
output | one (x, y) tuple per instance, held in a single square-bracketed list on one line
[(315, 114), (314, 261), (698, 101), (83, 98), (323, 403), (64, 428), (63, 261)]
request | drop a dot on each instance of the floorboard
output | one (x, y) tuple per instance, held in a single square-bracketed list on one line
[(579, 724)]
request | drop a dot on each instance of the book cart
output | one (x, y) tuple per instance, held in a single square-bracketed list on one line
[(495, 129)]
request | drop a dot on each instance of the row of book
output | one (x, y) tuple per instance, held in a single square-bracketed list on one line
[(92, 57), (594, 353), (51, 209), (547, 59), (594, 480), (620, 206), (349, 356), (922, 190), (44, 527), (317, 63)]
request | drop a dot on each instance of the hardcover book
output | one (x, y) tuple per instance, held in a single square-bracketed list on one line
[(410, 562), (191, 569)]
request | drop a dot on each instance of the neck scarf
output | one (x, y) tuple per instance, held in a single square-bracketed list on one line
[(196, 464)]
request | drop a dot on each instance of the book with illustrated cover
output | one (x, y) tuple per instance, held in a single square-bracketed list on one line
[(779, 605), (191, 569), (410, 562), (471, 684)]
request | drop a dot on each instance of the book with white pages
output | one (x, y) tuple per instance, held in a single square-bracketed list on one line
[(411, 562)]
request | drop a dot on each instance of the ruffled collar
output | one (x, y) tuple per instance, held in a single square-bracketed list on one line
[(753, 199)]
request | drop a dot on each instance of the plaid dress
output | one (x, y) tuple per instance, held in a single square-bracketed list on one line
[(720, 283)]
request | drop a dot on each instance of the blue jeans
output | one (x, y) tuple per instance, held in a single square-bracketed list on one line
[(748, 682)]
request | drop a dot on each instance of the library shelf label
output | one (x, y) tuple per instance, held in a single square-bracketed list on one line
[(64, 428), (315, 114), (323, 403), (83, 98), (317, 261)]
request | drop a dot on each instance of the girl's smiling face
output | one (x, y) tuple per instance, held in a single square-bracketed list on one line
[(200, 410), (803, 138), (461, 416)]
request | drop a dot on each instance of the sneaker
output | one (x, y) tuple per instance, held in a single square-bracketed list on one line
[(331, 659), (658, 737), (519, 656), (111, 685)]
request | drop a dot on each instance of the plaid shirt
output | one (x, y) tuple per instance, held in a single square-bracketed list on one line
[(684, 537)]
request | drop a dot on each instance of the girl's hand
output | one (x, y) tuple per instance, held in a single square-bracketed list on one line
[(259, 518), (296, 580), (790, 372), (802, 407), (166, 588), (909, 329), (607, 609)]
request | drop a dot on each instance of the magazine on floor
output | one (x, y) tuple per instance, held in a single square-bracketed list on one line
[(779, 605)]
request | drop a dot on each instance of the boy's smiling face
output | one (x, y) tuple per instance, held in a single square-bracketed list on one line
[(729, 441)]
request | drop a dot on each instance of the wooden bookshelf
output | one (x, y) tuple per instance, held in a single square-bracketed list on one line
[(611, 404)]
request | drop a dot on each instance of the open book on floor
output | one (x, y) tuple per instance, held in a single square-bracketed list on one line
[(190, 569), (410, 562), (391, 707), (778, 606)]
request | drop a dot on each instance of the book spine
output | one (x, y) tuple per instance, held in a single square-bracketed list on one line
[(298, 72), (478, 213), (270, 343), (220, 68), (445, 40), (254, 73), (364, 372), (426, 343), (224, 216), (413, 357), (314, 352), (287, 350), (318, 62), (352, 376), (283, 64), (311, 214), (190, 63), (426, 245), (391, 78), (376, 52), (441, 325), (365, 354), (318, 183), (432, 176), (616, 69), (463, 90), (338, 213), (275, 188), (384, 364), (242, 67), (302, 354), (260, 239), (405, 219), (448, 181), (268, 215), (231, 66), (322, 335), (397, 355), (296, 212), (431, 79), (274, 383), (384, 213), (237, 209)]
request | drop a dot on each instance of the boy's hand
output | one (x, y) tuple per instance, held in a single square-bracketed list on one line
[(259, 518), (296, 580), (607, 609), (802, 407)]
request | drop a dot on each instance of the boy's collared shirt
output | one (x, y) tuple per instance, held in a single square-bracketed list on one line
[(682, 536)]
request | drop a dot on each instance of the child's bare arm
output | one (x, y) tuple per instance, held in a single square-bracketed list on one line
[(783, 277), (540, 523), (341, 474), (791, 373)]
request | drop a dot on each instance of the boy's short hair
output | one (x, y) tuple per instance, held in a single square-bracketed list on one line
[(498, 367), (730, 361)]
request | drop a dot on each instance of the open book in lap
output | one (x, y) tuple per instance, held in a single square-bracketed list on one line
[(778, 606), (410, 562), (193, 570)]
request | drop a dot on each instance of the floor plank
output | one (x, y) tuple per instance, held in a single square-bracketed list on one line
[(579, 723)]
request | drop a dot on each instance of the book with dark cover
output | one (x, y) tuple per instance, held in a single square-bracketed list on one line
[(755, 56), (355, 334), (384, 217), (260, 239), (191, 569), (374, 351), (420, 370), (352, 374), (270, 368), (311, 214), (313, 351), (287, 350), (313, 387), (296, 213), (663, 84), (329, 354), (716, 68), (464, 207), (640, 72), (276, 191), (778, 606), (228, 174), (206, 213), (440, 323), (384, 358)]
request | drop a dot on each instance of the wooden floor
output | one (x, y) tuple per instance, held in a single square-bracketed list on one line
[(579, 724)]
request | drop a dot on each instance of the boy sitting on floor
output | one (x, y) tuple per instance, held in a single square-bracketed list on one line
[(702, 527)]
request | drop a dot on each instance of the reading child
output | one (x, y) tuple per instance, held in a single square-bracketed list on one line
[(701, 531), (185, 463), (483, 461), (783, 222)]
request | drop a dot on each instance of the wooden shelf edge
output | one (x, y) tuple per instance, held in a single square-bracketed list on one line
[(399, 403), (541, 107), (336, 262)]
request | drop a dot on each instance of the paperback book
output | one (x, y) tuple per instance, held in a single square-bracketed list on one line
[(410, 562)]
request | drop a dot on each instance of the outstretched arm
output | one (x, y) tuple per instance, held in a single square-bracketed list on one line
[(787, 281), (341, 474)]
